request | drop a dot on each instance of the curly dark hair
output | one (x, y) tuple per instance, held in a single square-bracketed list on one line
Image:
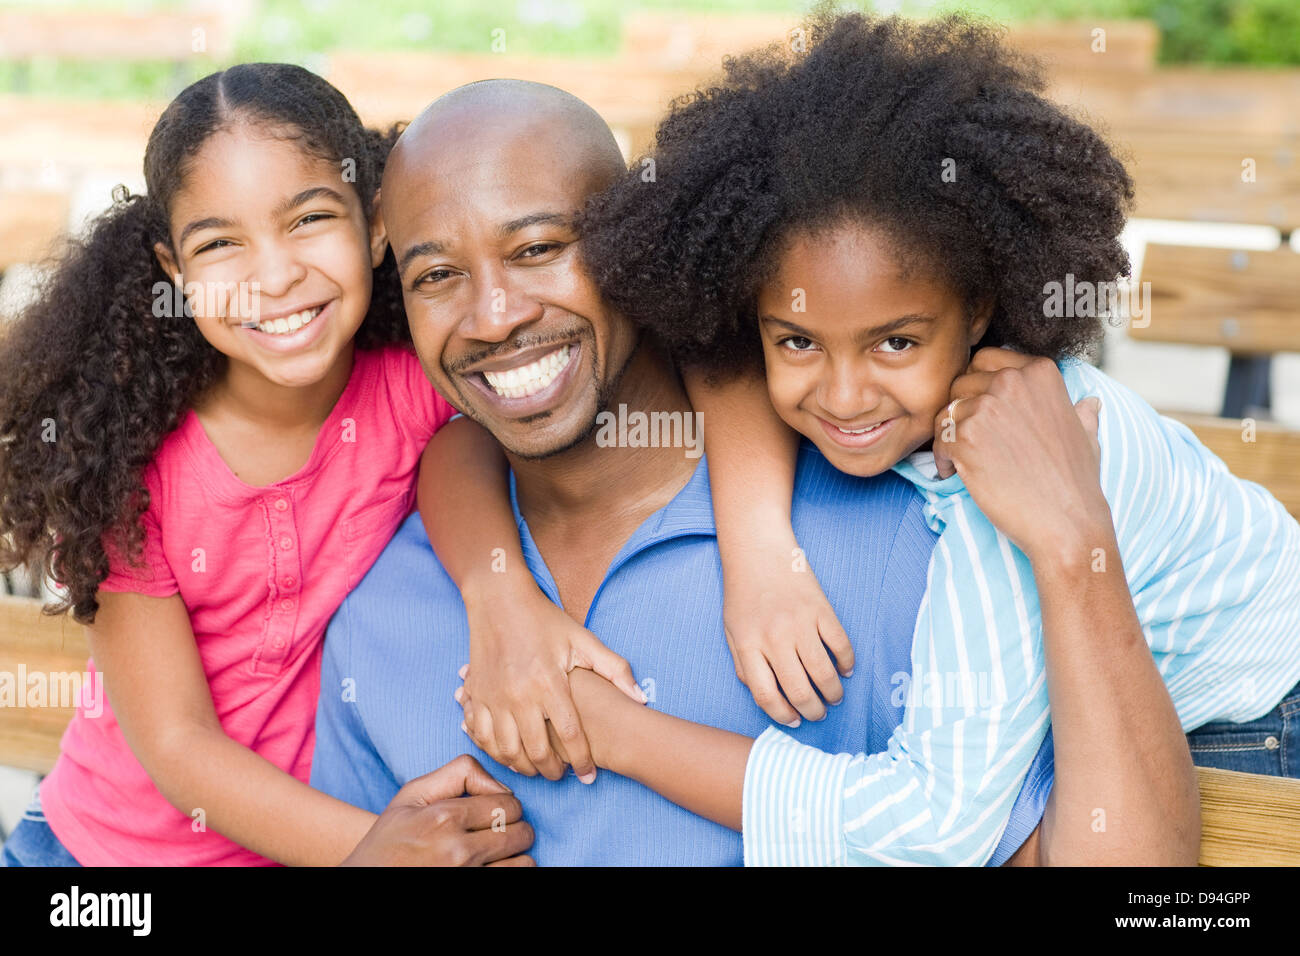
[(91, 366), (860, 126)]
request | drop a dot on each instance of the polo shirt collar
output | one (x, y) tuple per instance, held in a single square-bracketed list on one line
[(689, 513)]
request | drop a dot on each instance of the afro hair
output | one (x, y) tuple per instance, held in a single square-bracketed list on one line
[(934, 132)]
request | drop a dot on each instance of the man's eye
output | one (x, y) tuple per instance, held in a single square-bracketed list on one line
[(434, 275), (214, 244), (314, 216), (896, 344), (797, 343), (538, 249)]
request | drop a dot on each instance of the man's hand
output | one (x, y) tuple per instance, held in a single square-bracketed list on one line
[(1028, 457), (456, 816)]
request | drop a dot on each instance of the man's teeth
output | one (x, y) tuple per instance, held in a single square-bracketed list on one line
[(529, 379), (291, 324), (860, 431)]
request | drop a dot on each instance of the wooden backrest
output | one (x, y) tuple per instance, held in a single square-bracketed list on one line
[(390, 87), (679, 39), (1090, 45), (1246, 302), (106, 34), (698, 41), (38, 656), (30, 222), (1248, 819), (74, 133), (1225, 100), (1186, 134), (1197, 174)]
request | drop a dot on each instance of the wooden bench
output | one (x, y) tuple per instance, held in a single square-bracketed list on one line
[(662, 56), (93, 34), (32, 643), (697, 42), (1247, 302), (30, 221), (397, 86), (701, 40), (74, 134), (1247, 819), (49, 150), (1074, 46), (1185, 131)]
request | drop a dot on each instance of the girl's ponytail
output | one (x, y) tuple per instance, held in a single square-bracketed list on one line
[(93, 375), (386, 321)]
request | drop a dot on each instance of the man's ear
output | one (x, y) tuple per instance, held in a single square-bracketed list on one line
[(166, 259), (378, 235)]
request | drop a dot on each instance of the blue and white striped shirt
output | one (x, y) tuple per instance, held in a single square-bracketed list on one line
[(1213, 563)]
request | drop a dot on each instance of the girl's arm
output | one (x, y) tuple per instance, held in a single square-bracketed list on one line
[(1102, 679), (522, 646), (1103, 685), (145, 648), (778, 622)]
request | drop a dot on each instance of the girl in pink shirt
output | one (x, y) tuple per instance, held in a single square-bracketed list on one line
[(210, 426)]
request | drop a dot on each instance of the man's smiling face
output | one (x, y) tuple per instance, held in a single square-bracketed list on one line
[(479, 208)]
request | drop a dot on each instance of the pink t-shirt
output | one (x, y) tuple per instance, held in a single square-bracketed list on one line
[(260, 570)]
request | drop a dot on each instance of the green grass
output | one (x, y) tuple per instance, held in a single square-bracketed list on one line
[(1261, 32)]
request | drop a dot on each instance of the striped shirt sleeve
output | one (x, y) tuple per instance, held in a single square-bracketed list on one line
[(976, 711), (1212, 560)]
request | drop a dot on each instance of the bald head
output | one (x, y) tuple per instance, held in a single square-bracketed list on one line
[(481, 203), (491, 117)]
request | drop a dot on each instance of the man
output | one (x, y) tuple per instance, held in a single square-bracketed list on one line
[(479, 199)]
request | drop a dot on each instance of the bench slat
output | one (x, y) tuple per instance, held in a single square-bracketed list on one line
[(102, 34), (1246, 302), (35, 643), (397, 86), (1248, 819), (30, 222)]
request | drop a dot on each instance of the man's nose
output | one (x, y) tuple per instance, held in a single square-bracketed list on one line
[(848, 392), (498, 307)]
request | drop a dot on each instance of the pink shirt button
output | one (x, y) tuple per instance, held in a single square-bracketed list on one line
[(287, 604), (286, 542), (281, 504), (279, 642), (288, 581)]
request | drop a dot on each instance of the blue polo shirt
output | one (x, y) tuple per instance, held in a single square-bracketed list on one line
[(387, 715)]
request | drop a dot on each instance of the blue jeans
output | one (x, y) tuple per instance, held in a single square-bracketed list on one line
[(1269, 745), (33, 843)]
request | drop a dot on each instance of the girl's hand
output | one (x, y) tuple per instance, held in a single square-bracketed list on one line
[(600, 702), (779, 627), (520, 657), (1029, 457)]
